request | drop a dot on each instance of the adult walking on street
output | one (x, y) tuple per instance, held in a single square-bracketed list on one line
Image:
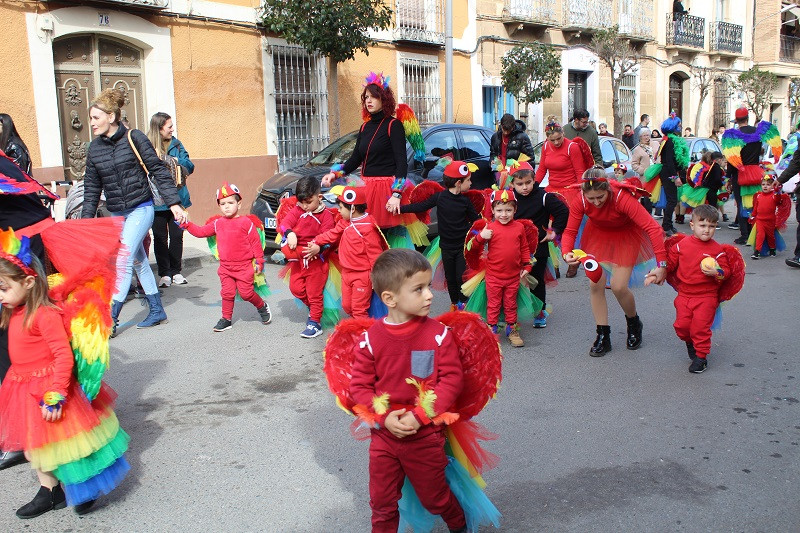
[(118, 163), (11, 143), (510, 141), (786, 175), (168, 236), (580, 128)]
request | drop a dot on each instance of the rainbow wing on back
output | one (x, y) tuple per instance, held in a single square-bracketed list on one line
[(413, 134), (734, 282), (83, 289)]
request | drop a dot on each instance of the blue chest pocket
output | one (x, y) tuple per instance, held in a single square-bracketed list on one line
[(422, 363)]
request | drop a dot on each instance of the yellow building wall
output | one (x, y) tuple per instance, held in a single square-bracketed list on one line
[(16, 94)]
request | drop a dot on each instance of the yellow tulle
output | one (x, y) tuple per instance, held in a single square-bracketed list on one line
[(52, 455), (471, 284)]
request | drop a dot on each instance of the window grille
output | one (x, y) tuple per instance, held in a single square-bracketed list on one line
[(420, 88), (301, 104), (627, 100)]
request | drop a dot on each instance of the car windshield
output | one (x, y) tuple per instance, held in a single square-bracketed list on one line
[(337, 152)]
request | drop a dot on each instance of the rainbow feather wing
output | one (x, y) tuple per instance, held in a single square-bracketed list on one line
[(413, 134), (339, 354)]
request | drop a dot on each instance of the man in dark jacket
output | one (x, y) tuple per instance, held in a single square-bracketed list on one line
[(510, 141), (786, 175)]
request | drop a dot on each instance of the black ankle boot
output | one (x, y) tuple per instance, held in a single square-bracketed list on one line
[(602, 343), (45, 500), (635, 327), (691, 351)]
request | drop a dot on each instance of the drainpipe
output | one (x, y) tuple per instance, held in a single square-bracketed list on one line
[(448, 61)]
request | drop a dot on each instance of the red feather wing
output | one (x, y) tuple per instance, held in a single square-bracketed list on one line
[(734, 282), (474, 255), (481, 361), (339, 355), (672, 276), (422, 192), (784, 211)]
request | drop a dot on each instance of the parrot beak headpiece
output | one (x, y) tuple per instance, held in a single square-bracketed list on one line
[(17, 251), (590, 265)]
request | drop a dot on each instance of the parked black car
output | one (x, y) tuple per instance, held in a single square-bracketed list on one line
[(465, 141)]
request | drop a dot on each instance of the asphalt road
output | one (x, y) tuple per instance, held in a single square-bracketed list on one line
[(236, 431)]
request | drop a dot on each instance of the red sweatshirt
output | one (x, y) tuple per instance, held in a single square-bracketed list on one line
[(564, 164), (765, 206), (684, 259), (237, 238), (359, 239), (509, 252), (620, 210), (306, 225), (45, 344), (422, 349)]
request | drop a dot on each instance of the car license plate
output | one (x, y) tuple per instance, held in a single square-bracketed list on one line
[(270, 223)]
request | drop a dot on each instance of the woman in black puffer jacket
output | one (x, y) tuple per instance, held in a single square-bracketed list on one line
[(112, 166)]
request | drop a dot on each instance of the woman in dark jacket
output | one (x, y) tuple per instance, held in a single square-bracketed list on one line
[(510, 141), (12, 145), (113, 167)]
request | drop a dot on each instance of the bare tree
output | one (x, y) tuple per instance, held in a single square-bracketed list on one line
[(703, 79), (621, 58)]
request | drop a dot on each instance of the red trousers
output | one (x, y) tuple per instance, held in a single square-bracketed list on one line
[(356, 292), (307, 283), (422, 460), (693, 318), (237, 276), (765, 229), (501, 292)]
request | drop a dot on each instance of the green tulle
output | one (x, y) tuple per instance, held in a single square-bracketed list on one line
[(88, 467), (528, 305)]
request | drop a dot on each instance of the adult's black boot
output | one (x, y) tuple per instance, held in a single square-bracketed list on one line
[(45, 500), (602, 343), (635, 327)]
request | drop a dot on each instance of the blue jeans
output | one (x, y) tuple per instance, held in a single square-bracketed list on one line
[(132, 255)]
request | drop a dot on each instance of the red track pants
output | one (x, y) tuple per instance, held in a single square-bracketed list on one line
[(423, 461), (307, 283), (233, 277), (693, 318), (765, 229), (356, 292), (501, 292)]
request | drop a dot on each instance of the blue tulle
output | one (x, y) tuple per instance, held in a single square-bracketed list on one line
[(478, 508), (102, 483), (377, 309)]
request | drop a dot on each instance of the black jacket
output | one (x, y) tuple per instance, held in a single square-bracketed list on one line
[(111, 166), (518, 143)]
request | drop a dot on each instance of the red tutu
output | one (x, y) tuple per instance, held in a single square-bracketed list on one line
[(626, 246), (22, 426), (379, 190)]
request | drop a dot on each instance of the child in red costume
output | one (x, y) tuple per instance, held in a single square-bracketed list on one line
[(508, 260), (360, 243), (764, 215), (238, 244), (305, 221), (700, 266), (402, 360)]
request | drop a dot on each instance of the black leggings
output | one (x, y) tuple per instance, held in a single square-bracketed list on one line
[(454, 266)]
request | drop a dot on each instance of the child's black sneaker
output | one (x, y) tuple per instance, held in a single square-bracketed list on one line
[(698, 365), (313, 329), (692, 352), (222, 325), (755, 255), (266, 316), (772, 252)]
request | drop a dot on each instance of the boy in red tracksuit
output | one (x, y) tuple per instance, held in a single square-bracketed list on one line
[(360, 243), (302, 224), (700, 265), (764, 215), (238, 244), (407, 371), (508, 260)]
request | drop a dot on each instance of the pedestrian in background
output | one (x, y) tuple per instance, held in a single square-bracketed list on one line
[(167, 236)]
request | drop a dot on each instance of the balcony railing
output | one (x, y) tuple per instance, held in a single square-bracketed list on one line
[(636, 19), (536, 11), (726, 37), (419, 21), (686, 31), (790, 49), (588, 14)]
